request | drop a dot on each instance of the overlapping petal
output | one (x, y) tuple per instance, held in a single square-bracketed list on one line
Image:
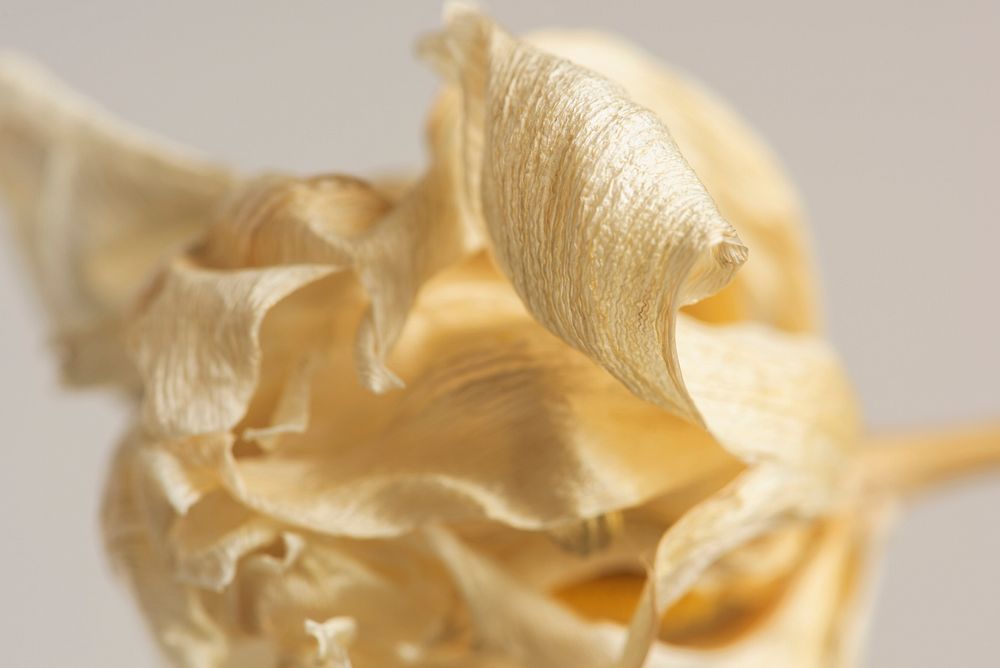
[(592, 212)]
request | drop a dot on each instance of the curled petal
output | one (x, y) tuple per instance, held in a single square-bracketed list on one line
[(181, 623), (196, 343), (777, 284), (592, 212), (495, 409)]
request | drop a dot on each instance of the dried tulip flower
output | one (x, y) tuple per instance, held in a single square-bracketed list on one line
[(537, 408)]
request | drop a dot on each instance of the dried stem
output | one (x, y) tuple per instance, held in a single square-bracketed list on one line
[(910, 463)]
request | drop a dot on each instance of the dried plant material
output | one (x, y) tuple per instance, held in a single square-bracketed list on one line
[(525, 410), (534, 155), (776, 284), (97, 205)]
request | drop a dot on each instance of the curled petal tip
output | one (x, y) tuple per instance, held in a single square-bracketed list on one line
[(731, 253)]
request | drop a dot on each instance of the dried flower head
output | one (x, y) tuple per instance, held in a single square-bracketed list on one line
[(530, 409)]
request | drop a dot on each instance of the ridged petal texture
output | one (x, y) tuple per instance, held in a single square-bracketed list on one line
[(524, 411)]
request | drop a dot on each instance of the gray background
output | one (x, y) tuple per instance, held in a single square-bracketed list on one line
[(885, 113)]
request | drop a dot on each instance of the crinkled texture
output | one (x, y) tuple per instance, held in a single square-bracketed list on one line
[(776, 285), (600, 224), (432, 423), (196, 344)]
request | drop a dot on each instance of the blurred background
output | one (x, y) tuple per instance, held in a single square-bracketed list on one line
[(887, 115)]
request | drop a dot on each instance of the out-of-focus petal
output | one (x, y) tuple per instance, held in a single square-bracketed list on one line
[(98, 205), (182, 626)]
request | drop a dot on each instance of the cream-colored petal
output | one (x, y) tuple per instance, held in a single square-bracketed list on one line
[(731, 599), (332, 638), (346, 223), (98, 205), (182, 626), (816, 625), (196, 343), (183, 480), (768, 395), (777, 284), (592, 212), (291, 411), (749, 507), (398, 597), (495, 409), (510, 620), (208, 542)]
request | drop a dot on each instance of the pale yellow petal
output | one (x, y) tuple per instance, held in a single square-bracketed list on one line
[(332, 637), (495, 409), (392, 247), (399, 598), (777, 284), (592, 212), (768, 395), (208, 542), (196, 343), (181, 624), (513, 621), (98, 205)]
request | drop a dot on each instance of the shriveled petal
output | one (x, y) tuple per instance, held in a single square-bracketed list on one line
[(513, 621), (182, 626), (777, 284), (392, 247), (97, 204), (196, 343), (592, 212), (208, 542), (399, 599), (494, 411), (496, 408)]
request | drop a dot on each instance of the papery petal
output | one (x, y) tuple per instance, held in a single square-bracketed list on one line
[(98, 205), (511, 620), (346, 223), (196, 343), (183, 627), (816, 624), (753, 504), (398, 597), (727, 601), (291, 410), (592, 212), (495, 409), (777, 284), (208, 542), (768, 395)]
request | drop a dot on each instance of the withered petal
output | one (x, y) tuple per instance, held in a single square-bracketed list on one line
[(97, 204)]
